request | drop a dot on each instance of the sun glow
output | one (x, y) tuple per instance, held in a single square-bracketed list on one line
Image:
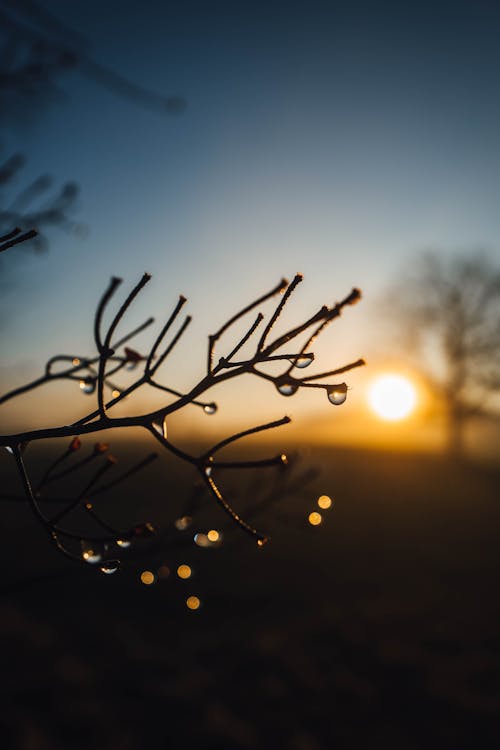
[(392, 397)]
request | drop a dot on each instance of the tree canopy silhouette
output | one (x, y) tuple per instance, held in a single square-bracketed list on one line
[(450, 311)]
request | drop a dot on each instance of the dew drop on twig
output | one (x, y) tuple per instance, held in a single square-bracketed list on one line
[(210, 408), (302, 361), (161, 429), (287, 389), (123, 543), (90, 555), (87, 385), (109, 566), (208, 469), (337, 394)]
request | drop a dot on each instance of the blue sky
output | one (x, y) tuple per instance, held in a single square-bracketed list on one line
[(328, 138)]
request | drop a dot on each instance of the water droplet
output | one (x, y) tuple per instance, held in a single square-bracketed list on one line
[(90, 555), (161, 429), (115, 393), (337, 394), (87, 385), (303, 361), (287, 389), (210, 408), (123, 543), (213, 536), (208, 469), (284, 459), (183, 523), (76, 361), (109, 567), (201, 540), (9, 449), (193, 603)]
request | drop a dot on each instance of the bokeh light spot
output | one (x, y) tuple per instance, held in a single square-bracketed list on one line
[(324, 502), (184, 571)]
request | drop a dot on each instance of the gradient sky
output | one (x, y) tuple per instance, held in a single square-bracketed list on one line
[(335, 139)]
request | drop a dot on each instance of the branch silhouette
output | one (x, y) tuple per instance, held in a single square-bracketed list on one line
[(96, 375)]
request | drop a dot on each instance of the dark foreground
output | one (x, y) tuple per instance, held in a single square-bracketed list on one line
[(380, 628)]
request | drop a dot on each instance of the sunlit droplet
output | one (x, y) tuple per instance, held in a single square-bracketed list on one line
[(9, 449), (115, 393), (76, 361), (183, 523), (193, 602), (315, 518), (87, 385), (109, 567), (213, 535), (123, 543), (337, 394), (184, 571), (324, 502), (161, 429), (303, 361), (210, 408), (262, 541), (147, 577), (284, 459), (287, 389), (90, 555), (208, 471)]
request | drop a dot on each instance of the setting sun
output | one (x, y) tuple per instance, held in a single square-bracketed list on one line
[(392, 397)]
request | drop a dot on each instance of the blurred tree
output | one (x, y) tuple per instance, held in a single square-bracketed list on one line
[(449, 310), (37, 53)]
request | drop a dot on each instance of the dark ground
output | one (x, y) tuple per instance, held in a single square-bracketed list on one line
[(379, 628)]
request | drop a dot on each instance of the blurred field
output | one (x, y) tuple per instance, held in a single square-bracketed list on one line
[(379, 628)]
